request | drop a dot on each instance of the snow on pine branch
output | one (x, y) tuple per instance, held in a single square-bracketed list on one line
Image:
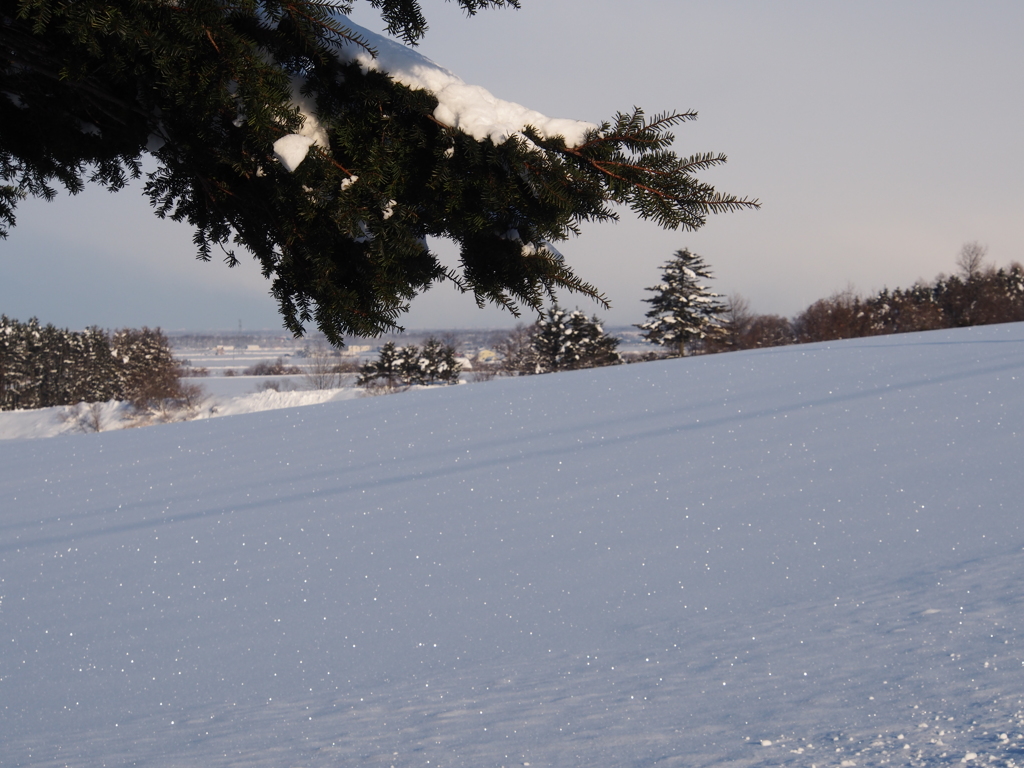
[(470, 108), (531, 248), (292, 149)]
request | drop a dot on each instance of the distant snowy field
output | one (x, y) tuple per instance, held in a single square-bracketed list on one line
[(804, 556), (223, 395)]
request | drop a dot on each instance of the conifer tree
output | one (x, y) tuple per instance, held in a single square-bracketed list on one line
[(683, 309), (268, 135), (408, 365), (386, 368), (101, 368), (567, 341), (434, 363), (17, 345), (147, 370)]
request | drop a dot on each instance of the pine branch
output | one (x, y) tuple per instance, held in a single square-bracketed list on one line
[(214, 77)]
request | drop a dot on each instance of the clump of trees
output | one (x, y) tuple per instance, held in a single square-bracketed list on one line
[(272, 368), (978, 294), (687, 318), (559, 341), (42, 366), (568, 341), (397, 367)]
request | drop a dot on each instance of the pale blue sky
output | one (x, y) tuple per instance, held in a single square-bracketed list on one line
[(879, 136)]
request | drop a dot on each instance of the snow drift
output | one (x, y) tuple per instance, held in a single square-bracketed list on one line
[(805, 555)]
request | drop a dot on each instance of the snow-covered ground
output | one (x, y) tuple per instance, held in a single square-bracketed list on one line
[(810, 555)]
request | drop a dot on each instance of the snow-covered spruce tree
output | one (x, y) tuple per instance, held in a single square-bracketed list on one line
[(16, 375), (385, 371), (435, 363), (566, 341), (53, 365), (279, 127), (147, 372), (683, 310), (90, 369)]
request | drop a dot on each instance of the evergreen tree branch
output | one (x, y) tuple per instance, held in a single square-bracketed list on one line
[(343, 235)]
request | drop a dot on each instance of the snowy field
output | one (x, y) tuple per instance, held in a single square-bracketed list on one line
[(807, 556)]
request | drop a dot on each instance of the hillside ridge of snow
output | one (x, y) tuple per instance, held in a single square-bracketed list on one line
[(799, 556)]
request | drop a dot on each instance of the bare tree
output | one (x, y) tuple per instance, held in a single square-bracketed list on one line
[(971, 260), (737, 317), (451, 339), (322, 368), (84, 417), (515, 351)]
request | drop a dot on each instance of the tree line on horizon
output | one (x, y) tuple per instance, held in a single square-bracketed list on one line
[(687, 317), (42, 366), (977, 294)]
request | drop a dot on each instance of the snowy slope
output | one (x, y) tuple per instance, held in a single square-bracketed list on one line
[(804, 556)]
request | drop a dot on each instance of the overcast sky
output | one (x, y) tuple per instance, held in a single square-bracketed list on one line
[(879, 136)]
